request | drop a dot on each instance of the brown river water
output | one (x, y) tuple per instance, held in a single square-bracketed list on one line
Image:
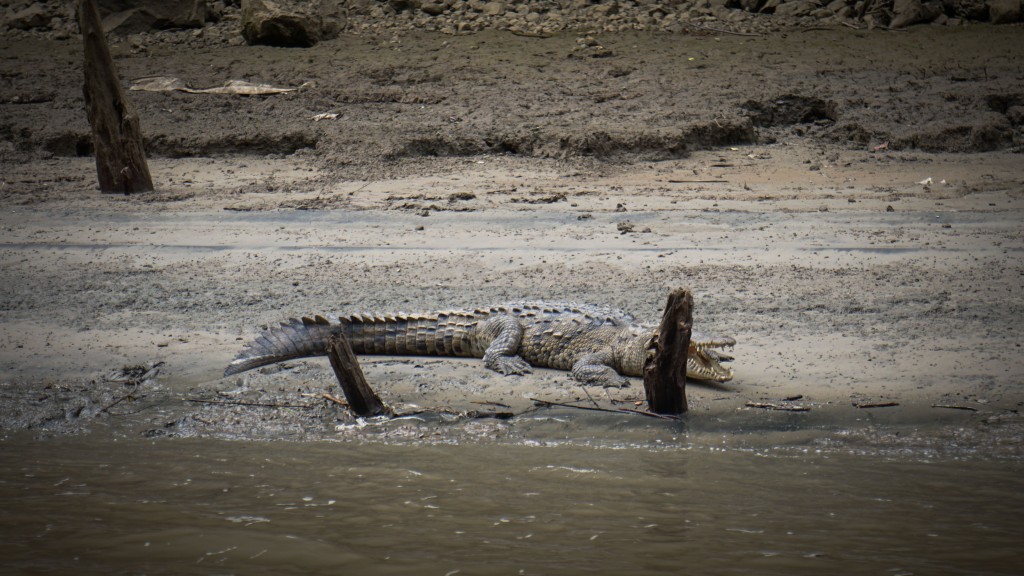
[(662, 501)]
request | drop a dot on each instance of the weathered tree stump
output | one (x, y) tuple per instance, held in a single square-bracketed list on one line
[(361, 398), (117, 141), (665, 369)]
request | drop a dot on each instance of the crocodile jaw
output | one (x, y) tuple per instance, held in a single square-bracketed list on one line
[(704, 360)]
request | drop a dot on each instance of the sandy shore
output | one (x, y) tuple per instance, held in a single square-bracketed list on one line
[(850, 273)]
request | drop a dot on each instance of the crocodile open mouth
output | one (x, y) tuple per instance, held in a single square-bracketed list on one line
[(705, 357)]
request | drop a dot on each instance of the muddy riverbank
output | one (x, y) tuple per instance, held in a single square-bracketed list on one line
[(845, 203), (839, 296)]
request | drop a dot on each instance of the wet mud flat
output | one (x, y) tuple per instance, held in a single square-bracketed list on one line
[(865, 315), (853, 220)]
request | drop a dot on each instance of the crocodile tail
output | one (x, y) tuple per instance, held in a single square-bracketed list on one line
[(292, 339)]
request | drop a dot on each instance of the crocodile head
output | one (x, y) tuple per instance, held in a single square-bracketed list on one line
[(703, 359), (705, 356)]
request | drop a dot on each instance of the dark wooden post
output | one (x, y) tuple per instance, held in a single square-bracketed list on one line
[(665, 369), (361, 398), (120, 160)]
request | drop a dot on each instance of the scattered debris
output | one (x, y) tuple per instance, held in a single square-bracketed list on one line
[(875, 404), (135, 375), (955, 407), (241, 403), (240, 87), (548, 404), (779, 407), (329, 398)]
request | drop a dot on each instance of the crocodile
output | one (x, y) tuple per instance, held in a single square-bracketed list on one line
[(598, 345)]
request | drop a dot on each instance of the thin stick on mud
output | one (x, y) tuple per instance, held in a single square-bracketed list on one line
[(107, 408), (120, 160), (665, 369), (779, 407), (724, 31), (239, 403), (489, 403), (548, 403), (955, 407), (362, 400), (591, 398), (328, 397), (875, 404)]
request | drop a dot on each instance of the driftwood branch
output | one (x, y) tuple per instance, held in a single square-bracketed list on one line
[(361, 398), (665, 369), (117, 140), (779, 407)]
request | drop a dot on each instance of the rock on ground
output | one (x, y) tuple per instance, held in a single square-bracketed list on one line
[(289, 23)]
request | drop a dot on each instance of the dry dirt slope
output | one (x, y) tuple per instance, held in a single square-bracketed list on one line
[(649, 95)]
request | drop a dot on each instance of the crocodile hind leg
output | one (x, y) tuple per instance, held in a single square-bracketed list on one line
[(594, 370), (500, 355)]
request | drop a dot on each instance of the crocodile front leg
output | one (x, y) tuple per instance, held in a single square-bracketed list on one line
[(594, 370), (500, 355)]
